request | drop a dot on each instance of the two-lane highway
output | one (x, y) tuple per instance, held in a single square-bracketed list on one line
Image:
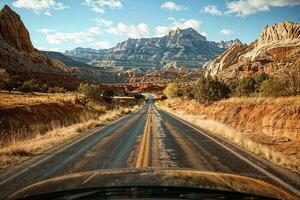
[(149, 137)]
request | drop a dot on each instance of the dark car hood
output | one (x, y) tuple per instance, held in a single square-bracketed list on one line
[(153, 177)]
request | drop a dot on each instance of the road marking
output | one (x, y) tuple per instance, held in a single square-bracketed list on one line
[(60, 150), (90, 177), (143, 158), (265, 172)]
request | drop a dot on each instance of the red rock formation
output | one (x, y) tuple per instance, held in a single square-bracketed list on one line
[(277, 47), (13, 31)]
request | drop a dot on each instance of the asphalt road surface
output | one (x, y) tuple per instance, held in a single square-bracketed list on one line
[(149, 137)]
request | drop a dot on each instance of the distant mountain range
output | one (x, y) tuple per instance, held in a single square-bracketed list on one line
[(186, 47)]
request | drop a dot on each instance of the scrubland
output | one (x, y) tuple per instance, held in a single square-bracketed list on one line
[(33, 123), (268, 127)]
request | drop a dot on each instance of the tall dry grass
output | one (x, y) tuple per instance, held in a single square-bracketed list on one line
[(235, 137), (14, 99), (17, 150), (280, 101)]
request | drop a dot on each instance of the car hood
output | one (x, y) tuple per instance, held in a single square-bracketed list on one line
[(153, 177)]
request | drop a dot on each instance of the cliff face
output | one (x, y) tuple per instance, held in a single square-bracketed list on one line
[(13, 31), (186, 46), (279, 32), (277, 48)]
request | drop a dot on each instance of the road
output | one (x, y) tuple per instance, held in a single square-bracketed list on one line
[(149, 137)]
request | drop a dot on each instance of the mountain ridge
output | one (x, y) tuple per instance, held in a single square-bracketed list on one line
[(277, 47), (185, 46)]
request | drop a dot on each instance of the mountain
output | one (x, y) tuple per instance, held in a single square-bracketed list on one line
[(64, 59), (276, 49), (16, 50), (185, 46), (20, 59), (228, 44)]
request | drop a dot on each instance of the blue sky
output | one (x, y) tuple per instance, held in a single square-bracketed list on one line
[(66, 24)]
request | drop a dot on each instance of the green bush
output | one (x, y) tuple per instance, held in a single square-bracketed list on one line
[(188, 92), (29, 86), (248, 85), (57, 89), (173, 90), (208, 89), (274, 87), (91, 91), (8, 84)]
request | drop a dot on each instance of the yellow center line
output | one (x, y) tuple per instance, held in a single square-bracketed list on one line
[(143, 158)]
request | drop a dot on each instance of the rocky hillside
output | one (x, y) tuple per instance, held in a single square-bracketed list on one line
[(185, 46), (277, 49), (64, 59), (16, 50), (19, 58)]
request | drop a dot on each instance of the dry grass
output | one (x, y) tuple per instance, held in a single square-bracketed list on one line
[(19, 150), (236, 137), (20, 99), (281, 101)]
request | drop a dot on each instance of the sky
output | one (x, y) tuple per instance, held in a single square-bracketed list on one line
[(60, 25)]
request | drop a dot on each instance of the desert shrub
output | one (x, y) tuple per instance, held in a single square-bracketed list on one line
[(108, 95), (172, 90), (138, 96), (92, 91), (57, 89), (274, 87), (248, 85), (44, 88), (8, 84), (188, 92), (29, 86), (245, 87), (209, 89), (259, 79)]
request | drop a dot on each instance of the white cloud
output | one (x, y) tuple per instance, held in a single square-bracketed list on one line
[(133, 31), (102, 44), (91, 35), (226, 32), (169, 5), (49, 49), (103, 22), (248, 7), (46, 30), (185, 23), (40, 6), (161, 31), (204, 34), (99, 6), (211, 9)]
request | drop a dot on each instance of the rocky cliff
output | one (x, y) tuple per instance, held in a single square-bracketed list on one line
[(277, 48), (13, 31), (16, 50), (186, 46)]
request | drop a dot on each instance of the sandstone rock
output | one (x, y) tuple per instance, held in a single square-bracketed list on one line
[(13, 31), (277, 47)]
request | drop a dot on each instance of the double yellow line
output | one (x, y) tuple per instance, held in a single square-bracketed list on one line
[(143, 158)]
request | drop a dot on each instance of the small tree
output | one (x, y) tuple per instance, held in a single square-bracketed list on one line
[(208, 89), (92, 91), (30, 86), (274, 87), (245, 87), (172, 90), (107, 95)]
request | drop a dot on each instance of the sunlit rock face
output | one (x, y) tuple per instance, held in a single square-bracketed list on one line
[(186, 46), (13, 31), (277, 48)]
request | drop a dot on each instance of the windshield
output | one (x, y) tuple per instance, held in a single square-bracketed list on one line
[(202, 95)]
